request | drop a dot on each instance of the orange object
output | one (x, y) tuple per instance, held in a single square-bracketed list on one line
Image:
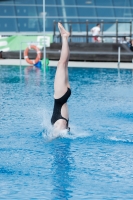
[(27, 51)]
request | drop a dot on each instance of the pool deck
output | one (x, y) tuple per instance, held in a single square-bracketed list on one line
[(113, 65)]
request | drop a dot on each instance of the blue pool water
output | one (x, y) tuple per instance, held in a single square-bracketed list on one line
[(94, 161)]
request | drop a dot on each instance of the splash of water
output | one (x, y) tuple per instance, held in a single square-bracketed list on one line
[(49, 133), (118, 139)]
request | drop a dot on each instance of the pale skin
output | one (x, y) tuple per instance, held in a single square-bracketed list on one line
[(61, 82)]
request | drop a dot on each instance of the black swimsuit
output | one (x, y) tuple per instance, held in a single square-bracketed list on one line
[(58, 103)]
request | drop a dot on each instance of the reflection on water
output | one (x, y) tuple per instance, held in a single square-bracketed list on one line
[(36, 71), (61, 178)]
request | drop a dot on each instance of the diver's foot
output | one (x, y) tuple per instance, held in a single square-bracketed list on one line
[(62, 30)]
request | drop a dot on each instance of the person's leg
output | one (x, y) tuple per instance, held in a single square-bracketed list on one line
[(61, 78), (97, 39)]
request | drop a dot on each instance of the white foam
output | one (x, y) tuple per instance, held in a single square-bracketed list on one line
[(114, 138), (49, 133), (54, 134)]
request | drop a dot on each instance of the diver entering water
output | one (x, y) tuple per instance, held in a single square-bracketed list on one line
[(62, 91)]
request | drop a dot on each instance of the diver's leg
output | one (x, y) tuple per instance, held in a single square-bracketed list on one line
[(61, 77), (67, 78)]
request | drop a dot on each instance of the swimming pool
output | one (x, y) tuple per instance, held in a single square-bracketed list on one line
[(94, 161)]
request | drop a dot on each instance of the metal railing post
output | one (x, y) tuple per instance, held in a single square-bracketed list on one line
[(54, 29), (130, 30), (60, 34), (102, 30), (86, 31), (116, 31), (70, 30), (44, 32), (20, 53), (119, 56)]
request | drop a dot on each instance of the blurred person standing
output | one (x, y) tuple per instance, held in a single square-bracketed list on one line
[(95, 33)]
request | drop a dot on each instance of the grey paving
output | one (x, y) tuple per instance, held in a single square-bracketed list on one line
[(123, 65)]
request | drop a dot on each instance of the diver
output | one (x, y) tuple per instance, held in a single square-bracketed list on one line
[(62, 91)]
